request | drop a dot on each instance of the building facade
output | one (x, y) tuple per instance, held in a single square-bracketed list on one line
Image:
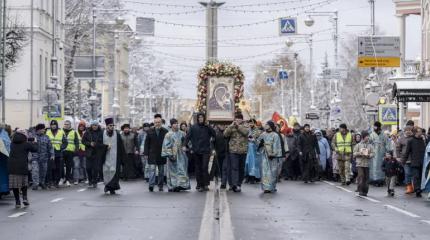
[(27, 81)]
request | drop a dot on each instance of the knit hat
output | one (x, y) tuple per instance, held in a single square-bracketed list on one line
[(377, 124), (94, 122), (54, 122), (343, 125), (40, 126), (271, 125)]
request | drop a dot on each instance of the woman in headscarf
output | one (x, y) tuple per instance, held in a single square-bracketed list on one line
[(271, 150), (18, 165), (325, 153), (4, 155)]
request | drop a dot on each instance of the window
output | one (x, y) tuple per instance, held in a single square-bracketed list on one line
[(46, 69), (40, 74)]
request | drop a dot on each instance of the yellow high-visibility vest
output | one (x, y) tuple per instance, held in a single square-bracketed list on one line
[(344, 145), (81, 145), (71, 141), (56, 140)]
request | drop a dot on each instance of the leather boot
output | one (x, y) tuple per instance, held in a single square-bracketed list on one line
[(409, 189)]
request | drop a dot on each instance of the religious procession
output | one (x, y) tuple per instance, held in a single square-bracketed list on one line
[(169, 153)]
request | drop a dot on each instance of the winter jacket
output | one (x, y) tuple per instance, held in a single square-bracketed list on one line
[(44, 149), (153, 146), (200, 136), (18, 158), (130, 142), (220, 145), (363, 161), (308, 143), (238, 136), (401, 148), (415, 149), (93, 136), (391, 167), (293, 146)]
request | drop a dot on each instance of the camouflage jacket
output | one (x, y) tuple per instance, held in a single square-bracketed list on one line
[(238, 136)]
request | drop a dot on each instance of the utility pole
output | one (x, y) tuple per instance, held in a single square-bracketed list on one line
[(295, 109), (31, 62), (212, 29), (93, 81), (3, 58)]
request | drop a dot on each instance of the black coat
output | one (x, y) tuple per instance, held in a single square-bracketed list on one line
[(94, 154), (153, 145), (18, 157), (415, 149), (221, 144), (308, 144), (200, 137)]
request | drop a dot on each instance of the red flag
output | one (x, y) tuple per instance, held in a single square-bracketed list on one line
[(277, 118)]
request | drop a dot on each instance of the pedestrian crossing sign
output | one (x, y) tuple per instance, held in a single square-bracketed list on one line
[(270, 81), (283, 75), (388, 114), (287, 26)]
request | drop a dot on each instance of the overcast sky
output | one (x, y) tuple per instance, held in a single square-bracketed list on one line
[(186, 56)]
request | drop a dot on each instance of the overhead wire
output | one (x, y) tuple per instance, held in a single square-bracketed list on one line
[(285, 10)]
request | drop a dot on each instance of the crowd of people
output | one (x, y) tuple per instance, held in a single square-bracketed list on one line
[(168, 154)]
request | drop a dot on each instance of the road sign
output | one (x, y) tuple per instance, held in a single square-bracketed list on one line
[(388, 114), (270, 81), (378, 51), (83, 67), (287, 26), (283, 75), (312, 116)]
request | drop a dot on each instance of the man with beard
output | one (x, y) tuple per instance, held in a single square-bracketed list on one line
[(308, 151), (94, 152), (129, 139), (200, 135), (381, 145), (152, 152), (114, 154)]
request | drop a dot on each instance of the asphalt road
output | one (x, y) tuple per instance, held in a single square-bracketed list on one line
[(314, 211)]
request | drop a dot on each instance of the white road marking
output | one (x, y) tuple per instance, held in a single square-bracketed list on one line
[(344, 189), (57, 200), (402, 211), (206, 227), (226, 227), (81, 190), (17, 214), (370, 199), (329, 183), (426, 221)]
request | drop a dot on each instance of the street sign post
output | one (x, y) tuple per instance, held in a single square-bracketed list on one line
[(378, 51), (287, 26), (388, 114), (312, 116), (283, 75)]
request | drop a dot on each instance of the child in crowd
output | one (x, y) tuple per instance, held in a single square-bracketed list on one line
[(391, 168)]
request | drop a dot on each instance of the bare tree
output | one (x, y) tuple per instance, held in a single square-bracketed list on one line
[(16, 39)]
